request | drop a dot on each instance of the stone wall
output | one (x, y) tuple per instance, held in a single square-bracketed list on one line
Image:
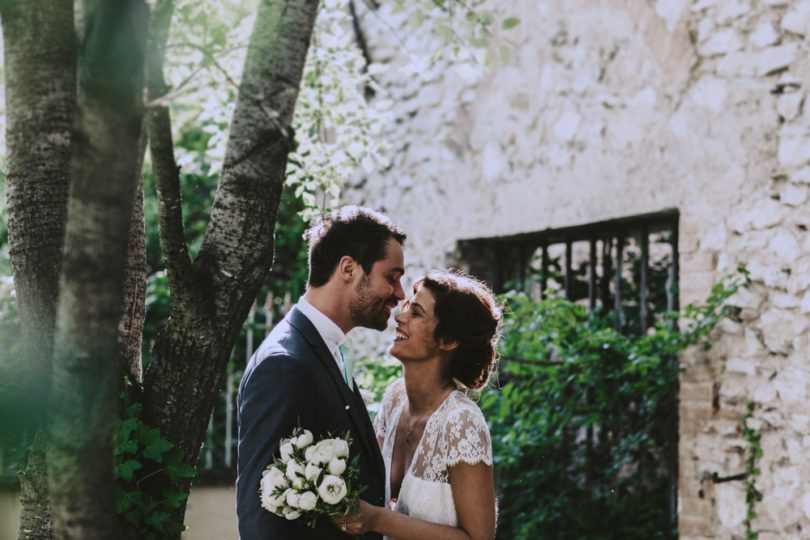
[(611, 108)]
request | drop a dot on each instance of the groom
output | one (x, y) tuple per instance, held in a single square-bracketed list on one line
[(297, 375)]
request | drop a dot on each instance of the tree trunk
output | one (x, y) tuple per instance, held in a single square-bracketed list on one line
[(86, 370), (130, 331), (211, 298), (40, 57)]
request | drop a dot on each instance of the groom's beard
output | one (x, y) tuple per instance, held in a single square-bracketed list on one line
[(369, 311)]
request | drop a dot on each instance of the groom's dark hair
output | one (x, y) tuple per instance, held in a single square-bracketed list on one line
[(360, 233)]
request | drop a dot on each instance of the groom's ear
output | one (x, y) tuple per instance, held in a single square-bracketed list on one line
[(347, 268)]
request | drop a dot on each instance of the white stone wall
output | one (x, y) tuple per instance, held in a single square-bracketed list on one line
[(618, 107)]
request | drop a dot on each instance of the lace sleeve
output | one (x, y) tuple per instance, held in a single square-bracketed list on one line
[(467, 437), (389, 398)]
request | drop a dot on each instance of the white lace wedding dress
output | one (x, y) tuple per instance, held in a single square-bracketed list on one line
[(455, 432)]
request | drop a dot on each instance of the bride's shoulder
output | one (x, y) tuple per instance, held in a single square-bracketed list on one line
[(462, 409), (395, 391)]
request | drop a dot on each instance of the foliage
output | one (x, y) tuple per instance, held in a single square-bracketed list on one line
[(584, 424), (139, 447), (374, 376), (337, 128), (752, 436)]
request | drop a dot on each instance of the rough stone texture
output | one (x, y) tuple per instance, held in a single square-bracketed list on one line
[(616, 108)]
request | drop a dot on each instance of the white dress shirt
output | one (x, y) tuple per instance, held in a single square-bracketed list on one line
[(331, 333)]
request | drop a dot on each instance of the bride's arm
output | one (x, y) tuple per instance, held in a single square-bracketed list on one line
[(474, 498)]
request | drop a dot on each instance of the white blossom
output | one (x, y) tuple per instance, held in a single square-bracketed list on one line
[(295, 472), (286, 449), (291, 513), (337, 466), (312, 471), (307, 501), (304, 440), (272, 479), (332, 489)]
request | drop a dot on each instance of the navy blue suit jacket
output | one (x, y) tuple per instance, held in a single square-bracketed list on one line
[(292, 380)]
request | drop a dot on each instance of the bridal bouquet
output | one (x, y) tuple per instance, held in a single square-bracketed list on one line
[(311, 478)]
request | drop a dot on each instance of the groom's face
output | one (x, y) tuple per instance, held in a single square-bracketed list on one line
[(378, 292)]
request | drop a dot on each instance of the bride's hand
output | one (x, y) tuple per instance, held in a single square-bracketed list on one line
[(359, 523)]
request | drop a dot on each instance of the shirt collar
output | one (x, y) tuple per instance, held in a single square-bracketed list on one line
[(330, 332)]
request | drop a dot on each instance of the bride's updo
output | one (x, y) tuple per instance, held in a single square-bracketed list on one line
[(467, 313)]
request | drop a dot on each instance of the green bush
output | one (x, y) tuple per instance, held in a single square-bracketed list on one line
[(584, 424)]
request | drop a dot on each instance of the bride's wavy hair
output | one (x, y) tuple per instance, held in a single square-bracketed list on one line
[(467, 313)]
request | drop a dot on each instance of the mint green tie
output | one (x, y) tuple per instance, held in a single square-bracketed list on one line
[(346, 356)]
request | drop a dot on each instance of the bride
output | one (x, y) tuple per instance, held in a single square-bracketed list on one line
[(434, 440)]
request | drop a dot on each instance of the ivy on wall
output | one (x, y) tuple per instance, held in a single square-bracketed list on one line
[(584, 423)]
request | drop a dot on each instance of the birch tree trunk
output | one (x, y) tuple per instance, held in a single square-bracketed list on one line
[(85, 250), (39, 57), (86, 370), (212, 296)]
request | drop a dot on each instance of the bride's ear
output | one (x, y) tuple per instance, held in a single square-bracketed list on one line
[(447, 344)]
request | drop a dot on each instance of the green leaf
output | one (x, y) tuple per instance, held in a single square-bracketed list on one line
[(181, 470), (174, 499), (156, 448), (510, 22), (126, 469)]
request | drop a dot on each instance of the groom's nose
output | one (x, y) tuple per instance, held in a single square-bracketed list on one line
[(399, 292)]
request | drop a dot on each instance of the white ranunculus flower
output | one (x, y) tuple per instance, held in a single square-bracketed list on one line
[(271, 502), (291, 513), (332, 489), (292, 497), (273, 478), (304, 440), (295, 470), (307, 501), (337, 466), (329, 449), (312, 471), (286, 449), (341, 448)]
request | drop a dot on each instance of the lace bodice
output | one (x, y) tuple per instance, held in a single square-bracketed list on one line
[(455, 432)]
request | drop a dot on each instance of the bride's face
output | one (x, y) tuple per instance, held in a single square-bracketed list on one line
[(415, 325)]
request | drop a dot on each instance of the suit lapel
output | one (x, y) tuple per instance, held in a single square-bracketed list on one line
[(352, 400)]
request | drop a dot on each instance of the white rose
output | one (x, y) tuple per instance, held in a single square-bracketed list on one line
[(293, 498), (274, 503), (272, 478), (312, 471), (304, 440), (271, 502), (286, 450), (332, 489), (307, 501), (341, 448), (329, 449), (295, 471), (291, 513), (337, 466), (322, 452)]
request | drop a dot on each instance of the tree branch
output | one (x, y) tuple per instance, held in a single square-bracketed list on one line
[(239, 251), (166, 171)]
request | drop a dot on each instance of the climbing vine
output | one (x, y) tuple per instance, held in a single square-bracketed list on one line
[(752, 496)]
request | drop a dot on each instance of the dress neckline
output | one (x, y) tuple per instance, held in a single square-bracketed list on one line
[(418, 448)]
